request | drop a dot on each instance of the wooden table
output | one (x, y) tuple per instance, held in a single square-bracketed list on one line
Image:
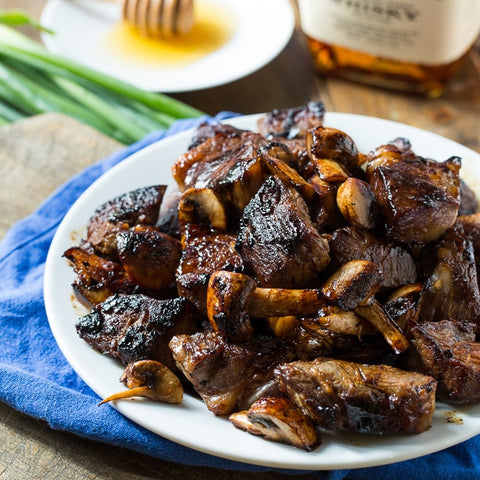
[(29, 448)]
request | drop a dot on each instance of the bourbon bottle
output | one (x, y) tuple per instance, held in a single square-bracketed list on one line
[(413, 45)]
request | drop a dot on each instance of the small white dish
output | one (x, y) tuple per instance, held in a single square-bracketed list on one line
[(191, 424), (260, 31)]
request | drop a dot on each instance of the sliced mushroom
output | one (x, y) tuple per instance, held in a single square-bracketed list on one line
[(149, 379), (345, 323), (330, 170), (202, 205), (357, 203), (354, 283), (376, 315), (283, 327), (289, 176), (280, 420)]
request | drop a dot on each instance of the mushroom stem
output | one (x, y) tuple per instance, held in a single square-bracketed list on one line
[(133, 392)]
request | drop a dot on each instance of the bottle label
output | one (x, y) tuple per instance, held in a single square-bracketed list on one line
[(430, 32)]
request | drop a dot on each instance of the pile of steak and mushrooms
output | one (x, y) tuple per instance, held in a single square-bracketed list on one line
[(292, 282)]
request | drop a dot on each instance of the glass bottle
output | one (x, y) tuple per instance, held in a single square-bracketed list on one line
[(414, 45)]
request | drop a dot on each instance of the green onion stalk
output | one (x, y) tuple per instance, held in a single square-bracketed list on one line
[(33, 81)]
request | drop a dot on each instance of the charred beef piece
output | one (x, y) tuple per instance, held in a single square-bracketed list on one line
[(278, 240), (468, 200), (217, 192), (351, 397), (418, 197), (292, 123), (137, 327), (211, 129), (229, 377), (447, 351), (121, 213), (469, 225), (97, 278), (204, 252), (279, 420), (394, 261), (213, 150), (149, 256), (451, 290)]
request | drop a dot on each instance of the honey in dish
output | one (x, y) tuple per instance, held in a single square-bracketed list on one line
[(213, 27)]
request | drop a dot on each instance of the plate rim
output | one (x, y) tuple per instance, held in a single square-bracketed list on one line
[(304, 460), (177, 84)]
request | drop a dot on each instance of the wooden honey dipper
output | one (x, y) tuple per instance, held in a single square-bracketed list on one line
[(159, 18)]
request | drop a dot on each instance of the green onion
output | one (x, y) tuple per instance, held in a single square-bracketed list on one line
[(19, 17), (33, 80), (9, 114)]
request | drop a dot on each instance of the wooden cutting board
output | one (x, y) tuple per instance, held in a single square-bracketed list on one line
[(39, 153)]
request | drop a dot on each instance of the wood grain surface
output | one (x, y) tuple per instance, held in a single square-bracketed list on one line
[(39, 154)]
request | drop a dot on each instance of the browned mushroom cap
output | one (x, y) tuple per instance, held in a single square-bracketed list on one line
[(330, 170), (330, 143), (203, 205), (149, 379), (279, 420), (356, 201)]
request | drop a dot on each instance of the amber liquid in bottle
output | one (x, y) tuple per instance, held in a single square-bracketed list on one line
[(399, 29), (383, 72)]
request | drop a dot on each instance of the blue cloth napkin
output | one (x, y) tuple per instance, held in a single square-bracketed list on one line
[(36, 379)]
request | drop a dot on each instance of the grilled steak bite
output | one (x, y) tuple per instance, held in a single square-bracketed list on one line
[(123, 212), (469, 225), (204, 251), (447, 350), (468, 200), (223, 144), (137, 327), (278, 419), (351, 397), (149, 257), (451, 290), (418, 197), (228, 377), (277, 239), (394, 261), (218, 191), (292, 122)]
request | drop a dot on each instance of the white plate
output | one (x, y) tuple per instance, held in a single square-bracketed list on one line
[(191, 424), (262, 29)]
